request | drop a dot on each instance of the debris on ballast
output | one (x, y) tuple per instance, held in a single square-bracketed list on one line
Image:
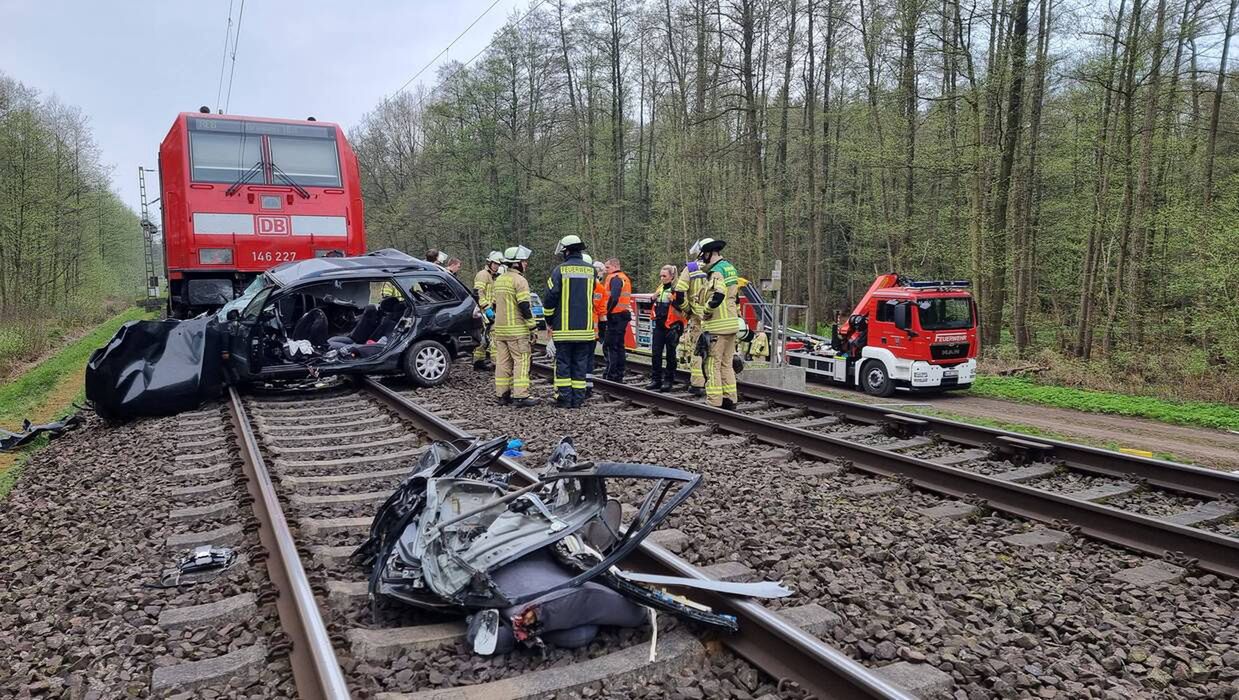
[(534, 565)]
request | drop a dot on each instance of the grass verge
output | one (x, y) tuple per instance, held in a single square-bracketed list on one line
[(47, 392), (1195, 413)]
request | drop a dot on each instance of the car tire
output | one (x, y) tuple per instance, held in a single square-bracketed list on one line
[(427, 363), (875, 380)]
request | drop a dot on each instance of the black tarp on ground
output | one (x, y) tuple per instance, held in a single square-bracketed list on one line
[(155, 368)]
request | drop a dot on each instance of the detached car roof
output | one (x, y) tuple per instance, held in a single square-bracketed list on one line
[(386, 261)]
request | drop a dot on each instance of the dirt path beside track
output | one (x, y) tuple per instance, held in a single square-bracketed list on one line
[(1209, 448)]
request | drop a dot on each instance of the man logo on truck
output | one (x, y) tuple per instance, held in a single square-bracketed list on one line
[(267, 225)]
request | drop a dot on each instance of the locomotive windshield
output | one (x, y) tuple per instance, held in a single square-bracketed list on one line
[(223, 150), (945, 314)]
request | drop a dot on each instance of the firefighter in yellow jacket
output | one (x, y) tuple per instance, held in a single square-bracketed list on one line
[(513, 329), (484, 295), (721, 320), (690, 299)]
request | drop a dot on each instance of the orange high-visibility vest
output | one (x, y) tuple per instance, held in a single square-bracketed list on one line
[(624, 303), (600, 302)]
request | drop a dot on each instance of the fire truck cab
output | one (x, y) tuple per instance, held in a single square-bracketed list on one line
[(903, 335)]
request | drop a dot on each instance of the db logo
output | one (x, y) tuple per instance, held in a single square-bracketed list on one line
[(272, 225)]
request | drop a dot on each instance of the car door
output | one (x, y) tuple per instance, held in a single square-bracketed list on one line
[(245, 336)]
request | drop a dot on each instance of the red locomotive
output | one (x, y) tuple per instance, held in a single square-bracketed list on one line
[(241, 194)]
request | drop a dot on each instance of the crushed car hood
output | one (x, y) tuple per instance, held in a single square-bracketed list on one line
[(155, 368)]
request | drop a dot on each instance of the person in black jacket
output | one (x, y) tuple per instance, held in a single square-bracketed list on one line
[(668, 324)]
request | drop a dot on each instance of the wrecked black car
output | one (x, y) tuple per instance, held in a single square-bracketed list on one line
[(534, 565), (381, 313)]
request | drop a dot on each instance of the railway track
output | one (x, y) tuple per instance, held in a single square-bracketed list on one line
[(317, 467), (1183, 513)]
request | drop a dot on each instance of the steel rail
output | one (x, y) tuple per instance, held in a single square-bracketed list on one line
[(316, 671), (1171, 476), (765, 639), (1213, 552)]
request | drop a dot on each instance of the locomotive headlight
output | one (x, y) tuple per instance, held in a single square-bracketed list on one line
[(215, 256)]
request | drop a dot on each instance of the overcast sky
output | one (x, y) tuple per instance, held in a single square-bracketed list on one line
[(132, 66)]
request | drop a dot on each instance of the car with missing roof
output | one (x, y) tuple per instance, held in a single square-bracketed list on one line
[(382, 313), (385, 312)]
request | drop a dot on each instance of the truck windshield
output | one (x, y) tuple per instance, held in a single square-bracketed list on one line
[(222, 157), (945, 314), (309, 162), (222, 150)]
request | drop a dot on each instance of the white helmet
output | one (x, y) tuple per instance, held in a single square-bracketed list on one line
[(587, 259), (517, 253), (569, 241), (494, 257)]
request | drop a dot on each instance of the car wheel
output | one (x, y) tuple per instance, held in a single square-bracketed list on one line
[(427, 363), (874, 379)]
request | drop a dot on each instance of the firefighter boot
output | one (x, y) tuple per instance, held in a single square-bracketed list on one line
[(655, 384), (483, 365), (668, 386), (696, 391), (729, 405), (505, 399), (525, 402)]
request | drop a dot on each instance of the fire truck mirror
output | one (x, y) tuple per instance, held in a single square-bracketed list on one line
[(903, 316)]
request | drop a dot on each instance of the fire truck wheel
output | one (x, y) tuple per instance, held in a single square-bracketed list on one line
[(426, 363), (874, 379)]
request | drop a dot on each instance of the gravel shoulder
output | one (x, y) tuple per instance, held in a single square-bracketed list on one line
[(1202, 446)]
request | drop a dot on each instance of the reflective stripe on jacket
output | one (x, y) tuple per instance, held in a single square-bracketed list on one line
[(569, 302), (511, 290), (723, 279), (484, 287), (621, 302), (693, 284), (662, 301)]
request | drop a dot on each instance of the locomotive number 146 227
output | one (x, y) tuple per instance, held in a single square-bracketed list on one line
[(272, 256)]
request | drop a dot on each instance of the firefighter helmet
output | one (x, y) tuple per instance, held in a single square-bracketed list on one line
[(711, 245), (494, 257), (587, 259), (517, 253), (571, 242)]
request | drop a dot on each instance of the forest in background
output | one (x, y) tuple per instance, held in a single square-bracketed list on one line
[(1075, 160), (70, 250)]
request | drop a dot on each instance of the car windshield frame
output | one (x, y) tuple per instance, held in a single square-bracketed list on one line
[(942, 320), (260, 283)]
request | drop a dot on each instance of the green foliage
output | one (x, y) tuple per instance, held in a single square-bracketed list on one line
[(19, 398), (1198, 413), (67, 243)]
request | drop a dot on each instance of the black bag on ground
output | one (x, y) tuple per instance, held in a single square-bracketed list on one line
[(155, 368)]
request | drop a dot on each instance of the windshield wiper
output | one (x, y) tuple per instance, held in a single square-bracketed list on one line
[(245, 177), (280, 173)]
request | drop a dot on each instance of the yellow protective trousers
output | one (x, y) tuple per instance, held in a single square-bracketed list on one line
[(722, 382), (688, 354), (512, 356)]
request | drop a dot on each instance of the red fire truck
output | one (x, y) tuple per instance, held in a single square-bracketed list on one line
[(241, 194), (903, 334)]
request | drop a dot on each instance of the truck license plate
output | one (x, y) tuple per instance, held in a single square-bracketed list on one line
[(950, 374)]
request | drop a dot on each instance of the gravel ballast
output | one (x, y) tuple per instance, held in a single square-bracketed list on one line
[(1002, 619), (84, 534)]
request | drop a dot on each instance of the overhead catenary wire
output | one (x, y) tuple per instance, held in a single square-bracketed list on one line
[(235, 40), (473, 58), (223, 59), (446, 48)]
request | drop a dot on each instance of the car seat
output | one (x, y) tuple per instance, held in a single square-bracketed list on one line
[(365, 326), (312, 326)]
